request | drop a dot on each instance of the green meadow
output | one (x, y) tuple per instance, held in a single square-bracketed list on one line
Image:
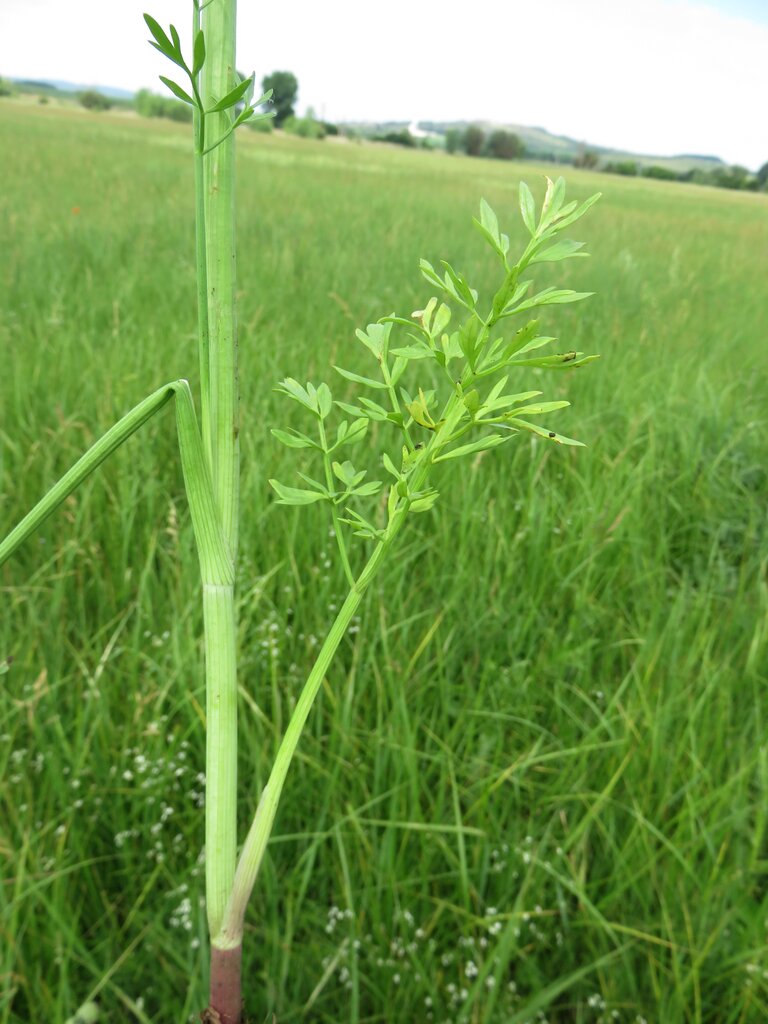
[(533, 788)]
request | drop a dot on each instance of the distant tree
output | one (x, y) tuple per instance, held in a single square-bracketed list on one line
[(585, 158), (630, 168), (285, 89), (762, 176), (504, 145), (452, 140), (401, 138), (734, 177), (149, 104), (307, 127), (663, 173), (6, 89), (474, 137), (93, 100)]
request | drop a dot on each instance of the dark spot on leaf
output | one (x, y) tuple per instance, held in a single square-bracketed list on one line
[(552, 433)]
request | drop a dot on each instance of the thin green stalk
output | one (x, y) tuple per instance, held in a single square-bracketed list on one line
[(215, 560), (392, 392), (261, 827), (337, 528)]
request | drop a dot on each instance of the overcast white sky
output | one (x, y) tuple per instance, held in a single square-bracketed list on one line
[(653, 76)]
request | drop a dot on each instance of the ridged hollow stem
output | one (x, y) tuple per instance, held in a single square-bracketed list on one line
[(203, 343), (218, 78), (221, 749)]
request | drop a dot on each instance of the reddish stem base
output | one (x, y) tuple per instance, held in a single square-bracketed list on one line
[(226, 1003)]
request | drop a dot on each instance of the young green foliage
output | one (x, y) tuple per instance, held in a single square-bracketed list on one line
[(169, 44), (466, 345)]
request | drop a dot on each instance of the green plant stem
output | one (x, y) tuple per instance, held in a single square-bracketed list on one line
[(221, 758), (202, 275), (392, 392), (337, 528), (218, 77)]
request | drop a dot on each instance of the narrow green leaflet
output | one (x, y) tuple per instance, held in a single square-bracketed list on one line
[(430, 274), (233, 97), (162, 43), (368, 489), (563, 250), (368, 381), (177, 91), (293, 438), (198, 58), (579, 212), (527, 208), (424, 501), (481, 445), (324, 400), (361, 526), (350, 434), (550, 435), (541, 408), (294, 390), (295, 495), (347, 473), (488, 225), (413, 352), (552, 296)]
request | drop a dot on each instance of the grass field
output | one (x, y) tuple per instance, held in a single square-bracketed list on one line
[(534, 786)]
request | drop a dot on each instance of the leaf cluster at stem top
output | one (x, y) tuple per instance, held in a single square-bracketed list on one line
[(169, 44)]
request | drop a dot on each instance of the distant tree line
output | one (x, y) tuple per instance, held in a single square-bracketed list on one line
[(472, 140), (734, 177)]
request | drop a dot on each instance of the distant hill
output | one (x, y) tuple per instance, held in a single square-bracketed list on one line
[(539, 143), (52, 86), (543, 145)]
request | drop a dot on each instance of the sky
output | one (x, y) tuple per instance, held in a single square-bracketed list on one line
[(659, 77)]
